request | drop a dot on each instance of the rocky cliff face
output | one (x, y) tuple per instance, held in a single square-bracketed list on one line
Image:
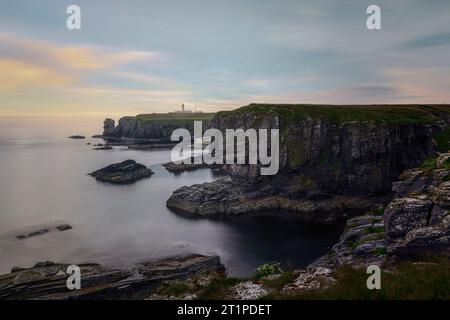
[(417, 220), (340, 150), (332, 158), (152, 126)]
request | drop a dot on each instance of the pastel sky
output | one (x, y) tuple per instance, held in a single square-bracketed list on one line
[(150, 56)]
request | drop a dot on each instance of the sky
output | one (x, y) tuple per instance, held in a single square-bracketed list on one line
[(143, 56)]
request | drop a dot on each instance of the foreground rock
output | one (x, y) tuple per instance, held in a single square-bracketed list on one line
[(418, 221), (362, 243), (122, 173), (47, 280)]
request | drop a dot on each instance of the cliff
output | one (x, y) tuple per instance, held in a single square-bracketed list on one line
[(331, 157), (155, 126)]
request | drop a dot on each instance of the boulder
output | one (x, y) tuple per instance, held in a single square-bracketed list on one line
[(122, 173)]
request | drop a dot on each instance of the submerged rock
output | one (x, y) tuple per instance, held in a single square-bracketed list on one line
[(38, 231), (77, 137), (47, 280), (122, 173)]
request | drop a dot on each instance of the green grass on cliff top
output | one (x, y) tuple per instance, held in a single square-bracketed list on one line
[(339, 113), (175, 117)]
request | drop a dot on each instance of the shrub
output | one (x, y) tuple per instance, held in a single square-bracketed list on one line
[(268, 269)]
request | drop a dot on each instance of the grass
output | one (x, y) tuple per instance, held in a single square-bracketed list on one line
[(406, 281), (175, 117), (442, 139), (175, 289), (390, 114), (374, 229), (380, 251), (217, 288), (429, 164), (279, 282)]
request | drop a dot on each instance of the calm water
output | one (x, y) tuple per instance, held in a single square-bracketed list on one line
[(43, 180)]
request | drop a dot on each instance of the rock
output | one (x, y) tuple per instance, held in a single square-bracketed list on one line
[(152, 126), (64, 227), (98, 136), (103, 148), (441, 195), (224, 196), (311, 279), (417, 220), (77, 137), (122, 173), (405, 214), (248, 290), (39, 230), (362, 243), (44, 281), (182, 167), (32, 234)]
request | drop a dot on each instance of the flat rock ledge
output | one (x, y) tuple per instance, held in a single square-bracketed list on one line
[(125, 172), (226, 197), (47, 280)]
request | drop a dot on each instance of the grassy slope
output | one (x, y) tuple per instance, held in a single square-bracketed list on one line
[(393, 114), (174, 117), (405, 281)]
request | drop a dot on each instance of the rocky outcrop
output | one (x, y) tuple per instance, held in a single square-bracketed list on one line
[(418, 219), (362, 243), (331, 156), (122, 173), (47, 280), (183, 167), (225, 197), (157, 127)]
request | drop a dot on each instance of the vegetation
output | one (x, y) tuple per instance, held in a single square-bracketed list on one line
[(268, 269), (279, 282), (390, 114), (374, 229), (175, 289), (406, 281), (431, 164), (217, 288), (442, 139), (175, 117)]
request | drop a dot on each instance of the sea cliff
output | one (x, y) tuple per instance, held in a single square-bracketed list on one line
[(333, 159)]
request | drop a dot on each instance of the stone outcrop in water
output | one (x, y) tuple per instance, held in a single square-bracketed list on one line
[(122, 173), (332, 157), (47, 280)]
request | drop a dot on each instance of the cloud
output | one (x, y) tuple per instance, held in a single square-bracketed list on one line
[(91, 57), (73, 58), (428, 41), (16, 74), (29, 64)]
